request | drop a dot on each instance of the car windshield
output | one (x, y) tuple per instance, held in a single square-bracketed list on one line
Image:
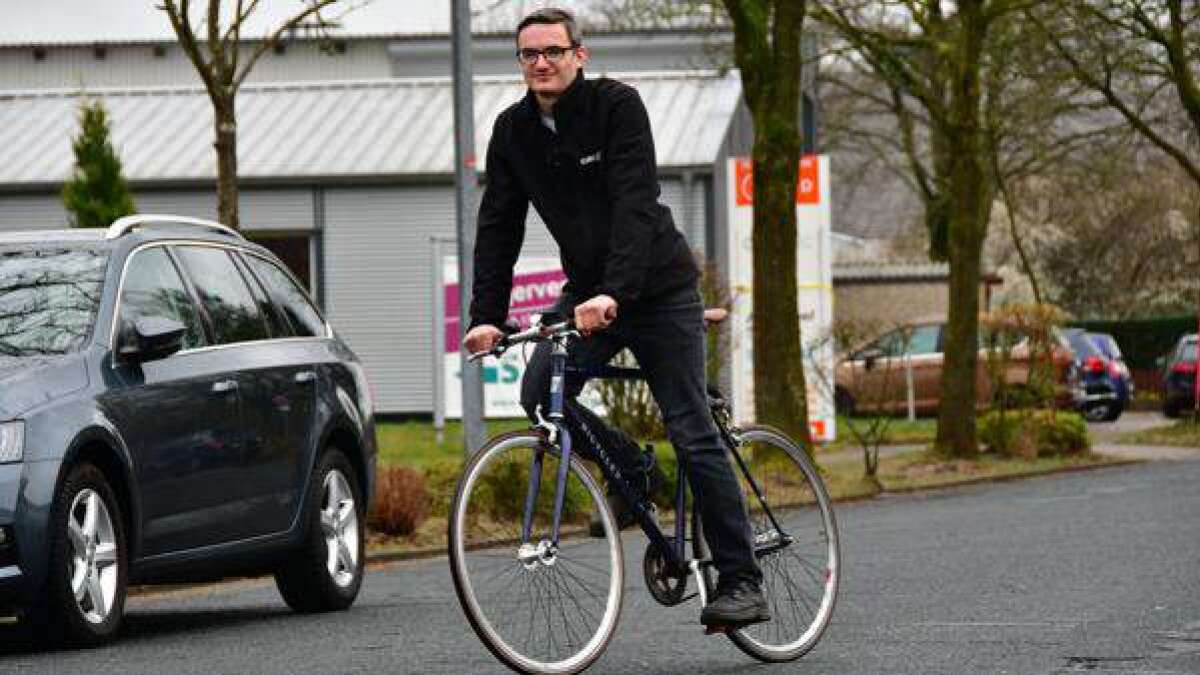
[(1081, 344), (1106, 344), (1188, 351), (48, 298)]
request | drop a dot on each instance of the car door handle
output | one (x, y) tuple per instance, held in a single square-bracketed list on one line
[(305, 377), (225, 386)]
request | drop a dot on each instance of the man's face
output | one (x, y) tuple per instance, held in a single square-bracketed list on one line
[(546, 76)]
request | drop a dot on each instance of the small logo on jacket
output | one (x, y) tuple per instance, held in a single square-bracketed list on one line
[(594, 157)]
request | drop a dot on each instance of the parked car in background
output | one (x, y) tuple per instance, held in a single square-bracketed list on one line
[(873, 378), (1103, 377), (1179, 377), (173, 408)]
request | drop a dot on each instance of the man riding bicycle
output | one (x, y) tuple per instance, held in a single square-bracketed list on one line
[(582, 152)]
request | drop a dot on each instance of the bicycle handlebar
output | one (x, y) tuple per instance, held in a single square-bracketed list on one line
[(535, 333)]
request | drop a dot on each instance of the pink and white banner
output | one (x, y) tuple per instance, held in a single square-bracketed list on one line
[(537, 285)]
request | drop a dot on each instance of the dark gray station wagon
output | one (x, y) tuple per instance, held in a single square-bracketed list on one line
[(172, 408)]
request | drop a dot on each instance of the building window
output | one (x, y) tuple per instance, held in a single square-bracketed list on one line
[(295, 250), (100, 52), (39, 53), (160, 51)]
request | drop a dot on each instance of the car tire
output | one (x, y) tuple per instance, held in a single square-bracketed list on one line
[(1114, 412), (88, 552), (1170, 409), (843, 402), (326, 572), (1101, 412)]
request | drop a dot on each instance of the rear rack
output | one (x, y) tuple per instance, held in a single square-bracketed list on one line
[(127, 224)]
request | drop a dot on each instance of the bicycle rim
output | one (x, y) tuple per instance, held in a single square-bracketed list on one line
[(534, 616), (800, 580)]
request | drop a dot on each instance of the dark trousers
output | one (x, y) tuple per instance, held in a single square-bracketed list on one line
[(667, 339)]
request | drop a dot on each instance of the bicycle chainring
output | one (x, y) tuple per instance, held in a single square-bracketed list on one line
[(666, 586)]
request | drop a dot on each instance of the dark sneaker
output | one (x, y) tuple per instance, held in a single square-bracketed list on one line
[(737, 607)]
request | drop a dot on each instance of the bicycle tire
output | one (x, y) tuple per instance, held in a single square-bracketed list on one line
[(468, 533), (803, 514)]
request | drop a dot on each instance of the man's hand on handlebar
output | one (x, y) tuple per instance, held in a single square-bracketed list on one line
[(595, 314), (482, 338)]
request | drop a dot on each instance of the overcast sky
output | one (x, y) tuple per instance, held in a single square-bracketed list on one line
[(54, 21)]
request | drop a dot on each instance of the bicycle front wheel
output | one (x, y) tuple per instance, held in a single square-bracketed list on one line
[(796, 538), (538, 608)]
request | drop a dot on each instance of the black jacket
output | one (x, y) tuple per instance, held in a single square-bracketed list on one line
[(595, 184)]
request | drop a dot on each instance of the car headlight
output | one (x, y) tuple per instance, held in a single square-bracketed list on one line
[(12, 441)]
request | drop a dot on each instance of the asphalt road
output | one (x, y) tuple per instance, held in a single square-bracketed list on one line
[(1087, 572)]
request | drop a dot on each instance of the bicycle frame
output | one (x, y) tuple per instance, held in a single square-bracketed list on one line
[(673, 551)]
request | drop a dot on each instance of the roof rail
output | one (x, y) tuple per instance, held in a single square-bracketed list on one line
[(127, 224)]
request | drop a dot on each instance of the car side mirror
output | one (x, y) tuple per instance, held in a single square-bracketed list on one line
[(150, 339), (869, 356)]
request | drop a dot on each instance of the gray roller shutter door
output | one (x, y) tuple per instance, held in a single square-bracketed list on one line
[(378, 281), (284, 209), (379, 284), (32, 212)]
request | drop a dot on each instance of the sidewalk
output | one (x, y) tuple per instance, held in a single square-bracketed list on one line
[(1148, 453)]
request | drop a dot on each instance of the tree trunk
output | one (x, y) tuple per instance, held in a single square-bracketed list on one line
[(780, 396), (225, 118), (968, 223)]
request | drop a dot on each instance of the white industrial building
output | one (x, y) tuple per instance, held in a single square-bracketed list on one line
[(346, 156)]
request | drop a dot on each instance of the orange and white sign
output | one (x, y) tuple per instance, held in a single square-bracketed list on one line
[(814, 286), (808, 183)]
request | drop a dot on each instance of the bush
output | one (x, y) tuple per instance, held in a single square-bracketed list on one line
[(501, 491), (401, 501), (441, 480), (1034, 433)]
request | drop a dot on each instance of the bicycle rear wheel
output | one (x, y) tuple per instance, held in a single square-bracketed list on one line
[(800, 578), (536, 608)]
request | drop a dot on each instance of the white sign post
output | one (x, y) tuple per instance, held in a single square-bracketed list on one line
[(814, 285)]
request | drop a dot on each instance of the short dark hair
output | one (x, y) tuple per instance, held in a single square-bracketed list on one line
[(551, 16)]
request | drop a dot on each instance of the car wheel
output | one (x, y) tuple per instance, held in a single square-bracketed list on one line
[(84, 599), (1170, 409), (843, 402), (1100, 412), (1115, 413), (326, 573)]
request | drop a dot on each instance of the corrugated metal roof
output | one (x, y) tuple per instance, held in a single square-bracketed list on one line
[(56, 22), (900, 271), (387, 127), (891, 271), (70, 22)]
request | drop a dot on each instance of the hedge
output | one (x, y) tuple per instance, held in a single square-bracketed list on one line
[(1142, 341)]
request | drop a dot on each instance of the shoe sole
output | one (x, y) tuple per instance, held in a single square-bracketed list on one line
[(714, 628), (739, 621)]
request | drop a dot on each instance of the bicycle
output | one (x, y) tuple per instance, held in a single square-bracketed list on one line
[(544, 599)]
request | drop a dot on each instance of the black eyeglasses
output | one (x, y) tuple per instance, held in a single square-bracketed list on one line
[(553, 54)]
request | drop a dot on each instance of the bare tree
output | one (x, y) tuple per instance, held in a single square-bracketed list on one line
[(1142, 58), (214, 46), (941, 74), (767, 51)]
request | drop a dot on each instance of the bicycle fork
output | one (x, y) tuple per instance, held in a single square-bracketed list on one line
[(560, 435)]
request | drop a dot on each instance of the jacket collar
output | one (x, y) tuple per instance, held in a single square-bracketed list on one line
[(571, 100)]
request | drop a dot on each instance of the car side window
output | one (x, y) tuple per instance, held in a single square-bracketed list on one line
[(278, 325), (923, 340), (305, 319), (231, 307), (153, 288)]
